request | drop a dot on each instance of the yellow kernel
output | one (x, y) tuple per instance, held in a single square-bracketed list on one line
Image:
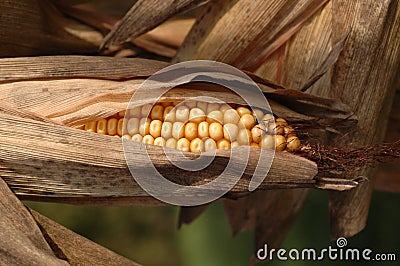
[(159, 141), (137, 137), (281, 121), (183, 144), (288, 130), (215, 116), (171, 143), (231, 116), (293, 143), (197, 115), (102, 126), (112, 126), (127, 137), (244, 137), (210, 144), (253, 144), (144, 126), (202, 106), (247, 121), (121, 128), (182, 114), (212, 107), (169, 114), (280, 142), (258, 114), (148, 139), (223, 144), (155, 128), (256, 133), (243, 110), (157, 112), (91, 126), (178, 130), (122, 113), (202, 130), (190, 131), (230, 132), (267, 142), (166, 130), (134, 112), (268, 118), (215, 130), (133, 126), (145, 111), (276, 129), (234, 144), (196, 145), (224, 108)]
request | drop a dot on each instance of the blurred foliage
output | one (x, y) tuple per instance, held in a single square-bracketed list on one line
[(149, 235)]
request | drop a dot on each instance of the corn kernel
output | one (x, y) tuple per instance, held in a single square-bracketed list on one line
[(280, 142), (190, 104), (182, 114), (234, 144), (268, 118), (247, 121), (155, 128), (159, 141), (122, 113), (134, 112), (145, 111), (197, 115), (178, 130), (121, 127), (210, 144), (157, 112), (169, 114), (216, 132), (244, 137), (102, 126), (183, 144), (112, 126), (202, 130), (196, 145), (258, 114), (166, 130), (91, 126), (126, 137), (243, 110), (267, 142), (223, 144), (148, 139), (133, 126), (230, 132), (137, 137), (144, 126), (231, 116), (253, 144), (190, 131), (256, 133), (171, 143), (293, 143), (215, 116)]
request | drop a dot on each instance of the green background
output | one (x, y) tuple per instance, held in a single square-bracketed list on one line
[(149, 235)]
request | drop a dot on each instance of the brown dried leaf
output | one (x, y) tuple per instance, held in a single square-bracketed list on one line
[(144, 16), (42, 30)]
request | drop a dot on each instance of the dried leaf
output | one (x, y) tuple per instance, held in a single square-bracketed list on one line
[(256, 29), (144, 16), (327, 64), (64, 243), (42, 30), (21, 241)]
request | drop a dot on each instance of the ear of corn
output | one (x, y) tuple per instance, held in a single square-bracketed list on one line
[(199, 126)]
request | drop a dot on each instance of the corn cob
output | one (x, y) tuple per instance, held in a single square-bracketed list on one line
[(199, 126)]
